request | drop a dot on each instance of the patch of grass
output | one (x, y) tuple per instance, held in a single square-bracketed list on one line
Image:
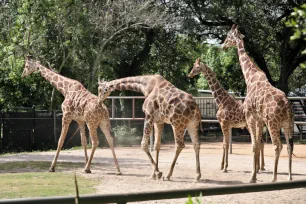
[(37, 166), (43, 184), (300, 142)]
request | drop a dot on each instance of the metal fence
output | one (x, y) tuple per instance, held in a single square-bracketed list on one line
[(124, 198), (27, 129)]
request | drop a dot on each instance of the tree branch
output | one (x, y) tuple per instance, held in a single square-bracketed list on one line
[(297, 62)]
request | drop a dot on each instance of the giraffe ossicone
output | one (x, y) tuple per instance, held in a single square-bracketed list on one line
[(79, 105)]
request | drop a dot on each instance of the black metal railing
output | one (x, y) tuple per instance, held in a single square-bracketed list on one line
[(124, 198)]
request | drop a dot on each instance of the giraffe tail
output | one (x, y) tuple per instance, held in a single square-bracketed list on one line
[(200, 123), (290, 125)]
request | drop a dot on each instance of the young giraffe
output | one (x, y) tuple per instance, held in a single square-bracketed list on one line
[(164, 103), (230, 111), (79, 105), (264, 104)]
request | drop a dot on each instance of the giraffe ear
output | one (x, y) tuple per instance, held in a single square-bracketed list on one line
[(234, 26), (99, 81)]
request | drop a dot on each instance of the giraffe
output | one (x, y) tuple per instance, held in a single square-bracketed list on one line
[(264, 104), (164, 103), (230, 110), (79, 105)]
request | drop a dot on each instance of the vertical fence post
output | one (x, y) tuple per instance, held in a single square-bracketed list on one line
[(54, 126), (113, 108), (32, 141), (1, 132), (301, 131), (133, 108), (231, 140)]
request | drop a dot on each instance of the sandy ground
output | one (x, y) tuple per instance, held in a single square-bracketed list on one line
[(136, 170)]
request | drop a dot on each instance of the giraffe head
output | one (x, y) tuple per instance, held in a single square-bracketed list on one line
[(232, 36), (197, 68), (30, 66), (104, 89)]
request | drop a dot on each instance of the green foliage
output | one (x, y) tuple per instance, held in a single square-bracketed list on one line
[(267, 39), (197, 200), (226, 66), (297, 21), (80, 40)]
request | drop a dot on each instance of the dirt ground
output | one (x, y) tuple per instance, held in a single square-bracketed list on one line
[(136, 170)]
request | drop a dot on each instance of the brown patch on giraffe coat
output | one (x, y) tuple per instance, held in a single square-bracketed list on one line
[(163, 84)]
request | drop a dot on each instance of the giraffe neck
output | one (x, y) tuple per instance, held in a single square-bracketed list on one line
[(141, 84), (249, 68), (58, 81), (218, 92)]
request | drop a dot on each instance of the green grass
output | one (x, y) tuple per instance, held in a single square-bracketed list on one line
[(32, 180), (43, 184), (38, 166), (300, 142)]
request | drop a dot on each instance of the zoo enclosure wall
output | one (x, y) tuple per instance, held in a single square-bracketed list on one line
[(28, 129)]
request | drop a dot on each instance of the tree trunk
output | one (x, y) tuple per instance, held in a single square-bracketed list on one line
[(133, 69), (283, 79)]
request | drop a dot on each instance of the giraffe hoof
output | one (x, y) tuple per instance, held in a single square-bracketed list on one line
[(51, 170), (118, 173), (197, 179), (225, 171), (252, 181), (159, 175), (86, 171), (153, 176), (289, 178), (262, 169)]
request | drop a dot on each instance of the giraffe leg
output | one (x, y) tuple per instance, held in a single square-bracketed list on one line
[(251, 123), (83, 139), (223, 156), (288, 131), (66, 120), (158, 128), (95, 143), (259, 129), (226, 131), (262, 156), (193, 131), (148, 124), (179, 146), (275, 137), (105, 127)]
